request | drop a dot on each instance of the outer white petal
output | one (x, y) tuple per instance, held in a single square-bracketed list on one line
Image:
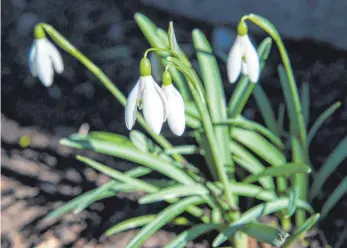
[(131, 106), (153, 108), (163, 99), (55, 56), (235, 60), (252, 61), (176, 117), (32, 56), (43, 63)]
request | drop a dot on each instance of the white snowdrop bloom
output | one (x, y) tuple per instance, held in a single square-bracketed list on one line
[(175, 106), (149, 97), (243, 57), (44, 59)]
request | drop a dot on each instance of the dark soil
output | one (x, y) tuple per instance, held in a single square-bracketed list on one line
[(38, 178)]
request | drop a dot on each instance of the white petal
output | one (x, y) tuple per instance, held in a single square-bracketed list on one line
[(55, 56), (176, 117), (252, 61), (43, 63), (131, 106), (163, 99), (32, 55), (234, 60), (153, 108)]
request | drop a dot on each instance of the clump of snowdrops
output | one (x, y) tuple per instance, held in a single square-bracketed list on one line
[(272, 163)]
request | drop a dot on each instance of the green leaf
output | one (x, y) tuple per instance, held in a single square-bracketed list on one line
[(305, 101), (333, 161), (280, 118), (164, 217), (249, 190), (321, 119), (139, 184), (259, 145), (140, 140), (337, 194), (110, 137), (130, 223), (300, 231), (188, 149), (253, 214), (130, 154), (215, 95), (182, 239), (265, 233), (244, 88), (293, 200), (250, 163), (172, 39), (265, 108), (90, 198), (283, 170), (242, 122)]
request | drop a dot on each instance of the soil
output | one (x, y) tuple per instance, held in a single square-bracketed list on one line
[(41, 175)]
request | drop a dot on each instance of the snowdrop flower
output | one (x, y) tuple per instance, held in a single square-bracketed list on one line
[(175, 105), (44, 58), (148, 96), (243, 57)]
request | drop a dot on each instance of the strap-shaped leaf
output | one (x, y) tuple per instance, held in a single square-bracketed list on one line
[(321, 119), (259, 145), (131, 154), (293, 200), (337, 194), (250, 163), (283, 170), (182, 239), (255, 213), (130, 223), (299, 232), (188, 149), (333, 161), (265, 108), (280, 118), (265, 233), (164, 217), (140, 141), (172, 39), (242, 122), (305, 101), (215, 95)]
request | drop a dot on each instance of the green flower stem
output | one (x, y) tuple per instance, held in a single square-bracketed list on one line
[(298, 122), (70, 49), (156, 49)]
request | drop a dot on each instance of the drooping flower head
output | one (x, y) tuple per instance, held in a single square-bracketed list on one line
[(175, 105), (44, 58), (243, 57), (148, 96)]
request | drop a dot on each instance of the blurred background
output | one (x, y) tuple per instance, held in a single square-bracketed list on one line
[(38, 174)]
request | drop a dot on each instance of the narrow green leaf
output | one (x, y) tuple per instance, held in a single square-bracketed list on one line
[(110, 137), (320, 120), (265, 233), (191, 109), (337, 194), (333, 161), (164, 217), (130, 223), (253, 214), (99, 191), (242, 122), (250, 163), (244, 88), (283, 170), (249, 190), (293, 200), (116, 174), (280, 118), (172, 39), (265, 108), (131, 154), (300, 231), (182, 239), (305, 101), (259, 145), (215, 95), (140, 140), (188, 149)]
